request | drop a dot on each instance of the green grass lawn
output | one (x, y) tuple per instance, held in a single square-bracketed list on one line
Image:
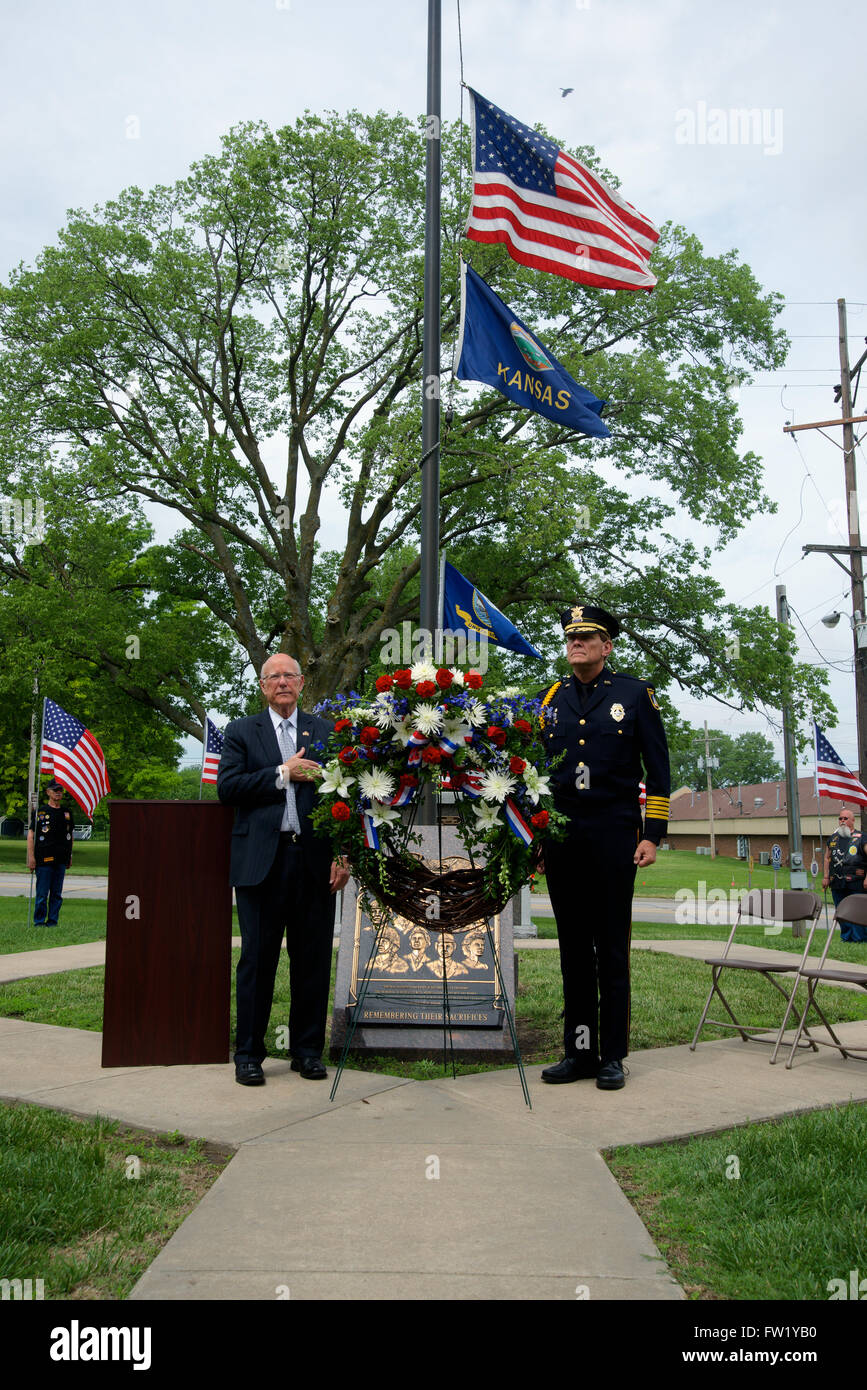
[(74, 1214), (668, 994), (770, 1211), (724, 1238), (677, 868), (88, 857), (80, 920)]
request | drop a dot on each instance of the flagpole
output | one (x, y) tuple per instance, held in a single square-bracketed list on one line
[(430, 430), (204, 751), (31, 780)]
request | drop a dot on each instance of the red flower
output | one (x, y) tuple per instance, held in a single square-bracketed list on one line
[(496, 735), (473, 679), (516, 765), (403, 679), (540, 820), (431, 755), (444, 678), (347, 755), (409, 779), (523, 727), (340, 811), (426, 688), (369, 735), (341, 725), (384, 682)]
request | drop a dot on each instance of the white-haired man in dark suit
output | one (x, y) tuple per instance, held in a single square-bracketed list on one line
[(284, 876)]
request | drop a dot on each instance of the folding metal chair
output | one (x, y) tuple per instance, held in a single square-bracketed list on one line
[(776, 905), (851, 909)]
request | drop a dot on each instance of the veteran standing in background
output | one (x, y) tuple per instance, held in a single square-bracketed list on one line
[(609, 729)]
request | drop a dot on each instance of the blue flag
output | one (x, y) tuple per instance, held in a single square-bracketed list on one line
[(465, 607), (497, 348)]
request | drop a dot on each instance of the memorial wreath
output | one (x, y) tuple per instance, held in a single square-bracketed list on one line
[(431, 726)]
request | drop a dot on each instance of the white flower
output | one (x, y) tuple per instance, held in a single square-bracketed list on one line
[(487, 817), (511, 692), (384, 716), (336, 779), (476, 714), (376, 785), (475, 757), (456, 729), (537, 783), (428, 719), (496, 786), (383, 814), (402, 730), (423, 671), (457, 676), (361, 714)]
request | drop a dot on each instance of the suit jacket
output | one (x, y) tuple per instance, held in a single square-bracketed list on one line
[(247, 779)]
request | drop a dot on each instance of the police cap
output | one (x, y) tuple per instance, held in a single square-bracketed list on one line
[(585, 618), (54, 786)]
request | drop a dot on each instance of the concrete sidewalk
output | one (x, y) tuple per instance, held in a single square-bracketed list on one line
[(445, 1189)]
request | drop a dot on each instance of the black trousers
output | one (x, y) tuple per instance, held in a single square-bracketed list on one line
[(295, 901), (591, 878)]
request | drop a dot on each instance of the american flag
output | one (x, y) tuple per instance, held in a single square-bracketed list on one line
[(73, 757), (549, 210), (832, 778), (212, 752)]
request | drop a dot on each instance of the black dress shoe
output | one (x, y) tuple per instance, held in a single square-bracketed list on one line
[(611, 1076), (310, 1068), (249, 1074), (570, 1069)]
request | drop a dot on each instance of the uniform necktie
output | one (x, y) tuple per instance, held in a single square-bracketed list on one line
[(287, 748)]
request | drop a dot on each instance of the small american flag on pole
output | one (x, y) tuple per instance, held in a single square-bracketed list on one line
[(832, 778), (549, 210), (212, 751), (73, 757)]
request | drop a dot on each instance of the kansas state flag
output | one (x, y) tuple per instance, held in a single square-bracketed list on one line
[(497, 348), (465, 607)]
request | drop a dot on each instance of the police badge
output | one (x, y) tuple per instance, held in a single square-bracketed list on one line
[(618, 712)]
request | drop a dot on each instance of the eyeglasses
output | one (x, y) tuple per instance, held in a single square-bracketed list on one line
[(283, 676)]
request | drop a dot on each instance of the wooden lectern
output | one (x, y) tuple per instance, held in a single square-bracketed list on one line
[(169, 934)]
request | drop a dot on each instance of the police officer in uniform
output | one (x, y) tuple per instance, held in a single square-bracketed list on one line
[(609, 731), (49, 852)]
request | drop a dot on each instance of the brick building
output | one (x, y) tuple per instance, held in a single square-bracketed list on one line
[(750, 819)]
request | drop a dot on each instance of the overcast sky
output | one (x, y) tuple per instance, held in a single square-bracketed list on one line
[(97, 96)]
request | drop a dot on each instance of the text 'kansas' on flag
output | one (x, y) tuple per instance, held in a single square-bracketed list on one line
[(497, 348), (549, 210), (833, 778), (73, 757), (212, 751)]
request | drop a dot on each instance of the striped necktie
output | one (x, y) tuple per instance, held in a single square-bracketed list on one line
[(287, 748)]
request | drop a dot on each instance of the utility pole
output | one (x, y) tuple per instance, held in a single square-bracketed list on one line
[(797, 875), (854, 543), (709, 762), (854, 551)]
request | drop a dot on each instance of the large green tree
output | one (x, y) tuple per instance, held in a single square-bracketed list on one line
[(742, 758), (244, 350)]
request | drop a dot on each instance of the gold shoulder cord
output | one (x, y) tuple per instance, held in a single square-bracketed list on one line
[(551, 693)]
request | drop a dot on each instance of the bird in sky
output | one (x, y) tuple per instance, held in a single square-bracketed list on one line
[(564, 91)]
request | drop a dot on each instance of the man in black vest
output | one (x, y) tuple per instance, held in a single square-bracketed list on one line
[(49, 852), (609, 730), (844, 869), (283, 874)]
